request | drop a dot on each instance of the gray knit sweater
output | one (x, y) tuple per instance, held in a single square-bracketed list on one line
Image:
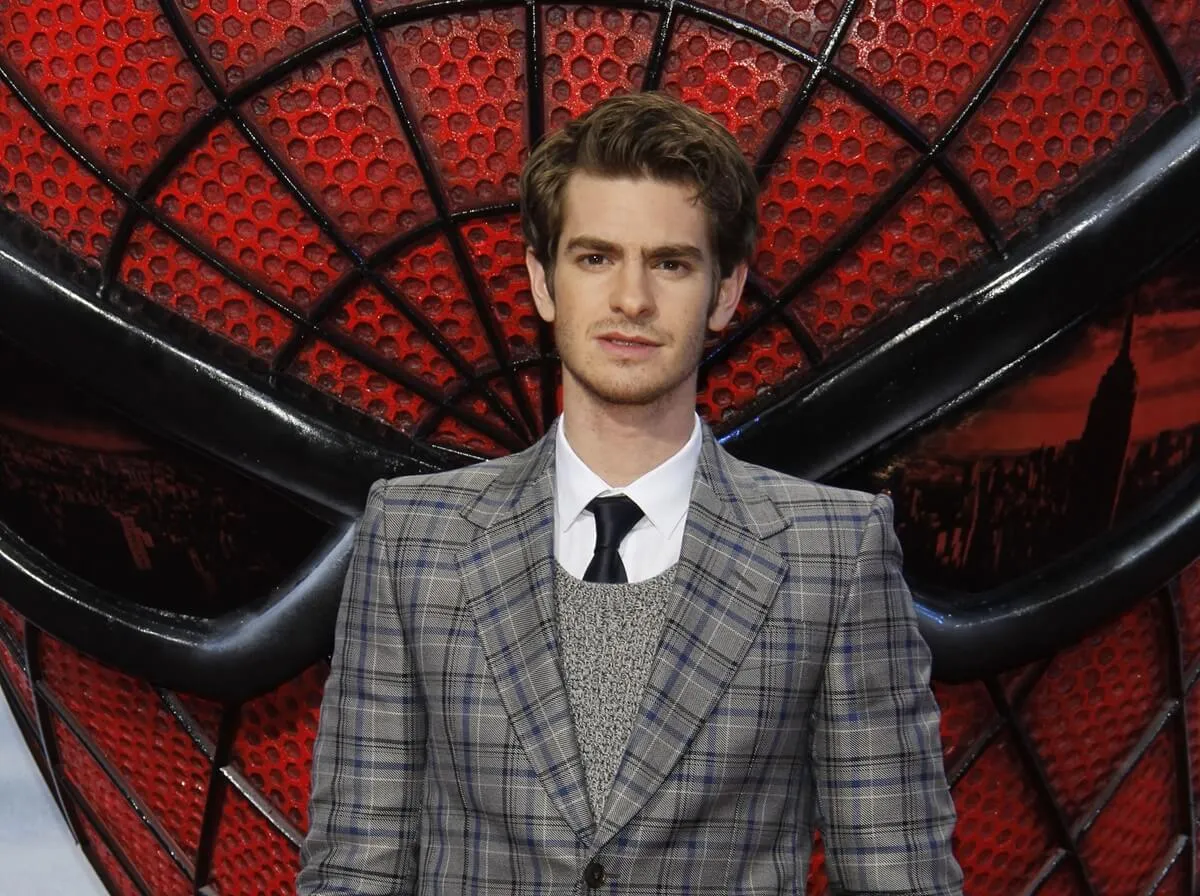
[(608, 635)]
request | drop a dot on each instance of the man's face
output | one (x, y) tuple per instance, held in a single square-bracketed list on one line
[(635, 285)]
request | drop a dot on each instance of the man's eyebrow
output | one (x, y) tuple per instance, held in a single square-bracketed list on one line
[(668, 250)]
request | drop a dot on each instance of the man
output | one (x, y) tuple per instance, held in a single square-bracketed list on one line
[(658, 692)]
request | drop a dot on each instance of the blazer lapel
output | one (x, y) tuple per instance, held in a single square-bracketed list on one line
[(725, 584), (508, 582)]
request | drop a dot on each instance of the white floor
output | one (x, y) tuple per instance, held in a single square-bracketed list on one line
[(38, 856)]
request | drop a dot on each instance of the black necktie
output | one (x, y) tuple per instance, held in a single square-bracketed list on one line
[(615, 516)]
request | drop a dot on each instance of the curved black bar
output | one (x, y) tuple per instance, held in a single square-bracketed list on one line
[(220, 406), (1035, 615), (1138, 211), (240, 655)]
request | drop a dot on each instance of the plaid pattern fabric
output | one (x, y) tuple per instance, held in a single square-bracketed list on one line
[(790, 689)]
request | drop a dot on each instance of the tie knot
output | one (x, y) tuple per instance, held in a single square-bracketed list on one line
[(615, 516)]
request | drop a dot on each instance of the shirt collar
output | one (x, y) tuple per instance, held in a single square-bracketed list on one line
[(663, 493)]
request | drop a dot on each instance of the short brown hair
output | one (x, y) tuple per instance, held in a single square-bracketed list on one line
[(647, 135)]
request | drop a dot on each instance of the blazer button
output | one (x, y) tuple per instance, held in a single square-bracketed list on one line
[(593, 875)]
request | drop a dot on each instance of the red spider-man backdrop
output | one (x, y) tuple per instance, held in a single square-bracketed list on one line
[(257, 253)]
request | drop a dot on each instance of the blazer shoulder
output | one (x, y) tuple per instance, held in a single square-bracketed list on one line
[(798, 498), (466, 481)]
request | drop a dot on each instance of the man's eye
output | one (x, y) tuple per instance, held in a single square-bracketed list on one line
[(593, 260), (673, 265)]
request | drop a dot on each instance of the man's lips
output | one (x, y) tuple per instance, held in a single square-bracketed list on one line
[(627, 340)]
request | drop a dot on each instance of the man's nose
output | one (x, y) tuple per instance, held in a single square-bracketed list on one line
[(634, 293)]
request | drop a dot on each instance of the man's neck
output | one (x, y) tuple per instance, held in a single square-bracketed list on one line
[(621, 444)]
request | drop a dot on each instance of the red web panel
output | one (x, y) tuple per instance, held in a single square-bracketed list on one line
[(836, 164), (1179, 22), (275, 740), (1081, 82), (14, 672), (591, 53), (251, 857), (1188, 606), (205, 714), (741, 83), (145, 853), (498, 250), (804, 22), (242, 38), (158, 267), (428, 277), (1095, 700), (926, 59), (353, 383), (999, 849), (228, 200), (452, 432), (331, 123), (117, 877), (128, 723), (121, 85), (14, 620), (967, 711), (464, 84), (1063, 882), (1135, 831), (752, 370), (818, 879), (927, 237), (42, 182)]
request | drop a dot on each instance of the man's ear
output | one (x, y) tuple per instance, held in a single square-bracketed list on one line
[(729, 293), (543, 294)]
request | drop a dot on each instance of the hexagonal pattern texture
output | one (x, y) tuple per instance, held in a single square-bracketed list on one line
[(249, 855), (122, 716)]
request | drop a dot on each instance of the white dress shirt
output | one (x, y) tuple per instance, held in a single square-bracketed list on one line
[(663, 494)]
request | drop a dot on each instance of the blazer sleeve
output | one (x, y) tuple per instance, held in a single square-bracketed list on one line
[(886, 812), (369, 759)]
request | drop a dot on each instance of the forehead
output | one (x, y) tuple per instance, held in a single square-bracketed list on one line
[(635, 212)]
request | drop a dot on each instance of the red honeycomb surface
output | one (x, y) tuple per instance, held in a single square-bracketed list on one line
[(1134, 832), (1179, 22), (497, 249), (818, 879), (967, 711), (1082, 81), (127, 722), (159, 267), (275, 740), (1188, 605), (42, 181), (742, 83), (241, 38), (353, 383), (1063, 882), (751, 371), (927, 237), (205, 714), (13, 670), (144, 852), (839, 160), (14, 621), (228, 200), (806, 23), (927, 57), (999, 848), (427, 276), (590, 53), (464, 84), (1095, 700), (117, 878), (119, 82), (332, 125), (250, 857), (451, 431)]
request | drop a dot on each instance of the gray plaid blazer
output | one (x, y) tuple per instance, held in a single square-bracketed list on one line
[(790, 689)]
